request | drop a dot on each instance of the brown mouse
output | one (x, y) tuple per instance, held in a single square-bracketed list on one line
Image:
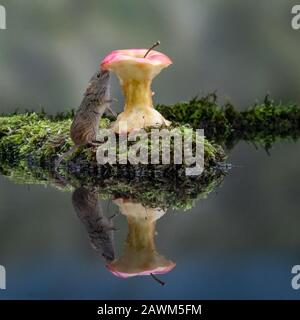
[(85, 124)]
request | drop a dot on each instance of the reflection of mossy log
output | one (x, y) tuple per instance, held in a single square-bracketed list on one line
[(157, 186), (264, 123)]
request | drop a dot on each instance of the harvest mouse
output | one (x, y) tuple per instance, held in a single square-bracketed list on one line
[(85, 124)]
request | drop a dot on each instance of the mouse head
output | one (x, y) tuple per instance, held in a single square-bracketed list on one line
[(102, 75), (99, 84)]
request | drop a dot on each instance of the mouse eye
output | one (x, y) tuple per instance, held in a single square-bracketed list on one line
[(98, 75)]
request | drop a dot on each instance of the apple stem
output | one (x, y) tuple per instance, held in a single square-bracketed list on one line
[(157, 43), (156, 279)]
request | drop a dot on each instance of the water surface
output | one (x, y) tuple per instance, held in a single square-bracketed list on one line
[(241, 242)]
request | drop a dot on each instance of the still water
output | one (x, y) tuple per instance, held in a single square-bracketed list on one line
[(240, 242)]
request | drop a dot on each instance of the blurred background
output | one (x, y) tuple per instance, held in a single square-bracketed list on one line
[(241, 49), (243, 240)]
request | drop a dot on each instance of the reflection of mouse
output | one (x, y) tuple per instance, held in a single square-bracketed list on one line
[(85, 125), (100, 228)]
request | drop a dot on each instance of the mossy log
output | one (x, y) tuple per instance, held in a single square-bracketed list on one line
[(29, 144), (39, 139)]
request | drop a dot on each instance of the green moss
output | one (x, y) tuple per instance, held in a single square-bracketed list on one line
[(38, 139), (35, 137), (263, 123)]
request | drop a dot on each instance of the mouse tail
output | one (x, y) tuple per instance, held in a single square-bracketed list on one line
[(64, 155)]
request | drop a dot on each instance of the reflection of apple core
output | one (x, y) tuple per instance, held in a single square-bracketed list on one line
[(139, 255), (136, 73)]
